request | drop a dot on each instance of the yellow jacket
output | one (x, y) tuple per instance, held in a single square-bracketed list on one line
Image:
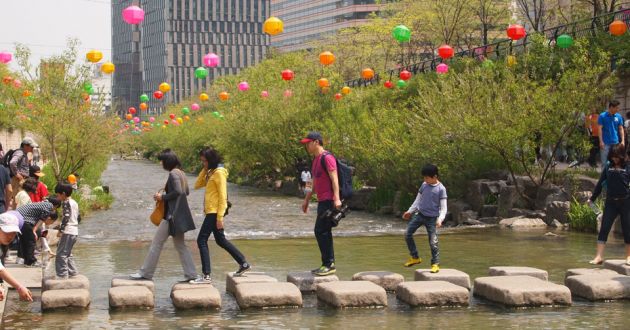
[(215, 197)]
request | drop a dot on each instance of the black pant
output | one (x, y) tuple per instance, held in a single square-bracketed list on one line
[(592, 156), (208, 227), (323, 233), (612, 209), (27, 244)]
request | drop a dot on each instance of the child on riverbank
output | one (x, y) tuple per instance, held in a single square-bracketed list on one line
[(429, 210), (64, 263), (9, 227)]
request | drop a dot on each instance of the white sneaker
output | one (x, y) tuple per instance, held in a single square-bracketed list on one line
[(19, 261), (137, 276), (205, 279)]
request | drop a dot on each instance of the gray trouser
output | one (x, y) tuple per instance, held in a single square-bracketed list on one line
[(64, 263), (150, 262)]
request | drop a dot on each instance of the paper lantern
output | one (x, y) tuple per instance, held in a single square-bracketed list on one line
[(128, 116), (323, 82), (195, 107), (26, 93), (72, 179), (388, 84), (402, 33), (288, 93), (151, 119), (172, 116), (367, 73), (165, 122), (144, 98), (108, 68), (17, 83), (446, 52), (87, 86), (211, 60), (136, 120), (224, 96), (516, 32), (442, 68), (132, 110), (180, 120), (617, 28), (7, 80), (94, 56), (264, 94), (143, 106), (564, 41), (487, 64), (158, 94), (273, 26), (133, 15), (186, 118), (243, 86), (326, 58), (345, 90), (338, 96), (5, 57), (201, 73), (511, 61), (325, 90), (164, 87), (401, 83), (287, 75), (185, 111), (204, 97), (405, 75)]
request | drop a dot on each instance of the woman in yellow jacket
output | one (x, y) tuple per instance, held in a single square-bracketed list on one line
[(214, 178)]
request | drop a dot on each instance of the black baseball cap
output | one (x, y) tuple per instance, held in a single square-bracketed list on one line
[(312, 136)]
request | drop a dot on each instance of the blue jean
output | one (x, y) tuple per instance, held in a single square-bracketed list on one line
[(323, 233), (603, 153), (209, 227), (418, 220)]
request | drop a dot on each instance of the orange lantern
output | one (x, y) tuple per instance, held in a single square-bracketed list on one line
[(94, 56), (143, 106), (345, 90), (617, 28), (367, 74), (273, 26), (204, 97), (7, 79), (186, 118), (323, 82), (108, 68), (26, 93), (326, 58), (224, 96), (129, 116)]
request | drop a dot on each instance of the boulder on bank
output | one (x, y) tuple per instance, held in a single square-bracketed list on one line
[(520, 222), (557, 211), (361, 198)]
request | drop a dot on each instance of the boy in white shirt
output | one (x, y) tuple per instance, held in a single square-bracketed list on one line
[(64, 263)]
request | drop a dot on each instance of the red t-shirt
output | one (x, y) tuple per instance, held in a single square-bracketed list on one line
[(323, 185), (40, 193)]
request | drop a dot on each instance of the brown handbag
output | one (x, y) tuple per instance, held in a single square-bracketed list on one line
[(158, 214)]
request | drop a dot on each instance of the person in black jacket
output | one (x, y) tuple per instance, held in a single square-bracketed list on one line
[(616, 175)]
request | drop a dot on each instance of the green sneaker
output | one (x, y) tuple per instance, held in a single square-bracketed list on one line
[(324, 270), (313, 271)]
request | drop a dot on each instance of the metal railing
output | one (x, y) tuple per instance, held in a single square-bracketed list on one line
[(502, 48)]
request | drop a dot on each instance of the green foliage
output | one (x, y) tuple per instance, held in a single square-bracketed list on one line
[(582, 217)]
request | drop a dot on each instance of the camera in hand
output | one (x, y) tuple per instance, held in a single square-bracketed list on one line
[(335, 215)]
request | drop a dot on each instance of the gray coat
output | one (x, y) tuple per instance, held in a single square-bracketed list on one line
[(176, 202)]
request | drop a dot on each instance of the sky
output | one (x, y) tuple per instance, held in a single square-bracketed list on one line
[(45, 26)]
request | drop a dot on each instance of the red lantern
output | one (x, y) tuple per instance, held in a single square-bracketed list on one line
[(446, 52), (405, 75), (617, 28), (7, 80), (338, 96), (158, 94), (165, 121), (132, 110), (388, 84), (287, 75), (172, 116), (516, 32)]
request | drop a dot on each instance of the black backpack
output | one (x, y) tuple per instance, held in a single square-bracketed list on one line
[(344, 176), (7, 159)]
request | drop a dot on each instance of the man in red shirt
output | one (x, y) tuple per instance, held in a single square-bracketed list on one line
[(42, 191), (326, 187)]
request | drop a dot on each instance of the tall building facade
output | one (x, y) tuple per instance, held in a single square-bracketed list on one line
[(309, 20), (174, 37)]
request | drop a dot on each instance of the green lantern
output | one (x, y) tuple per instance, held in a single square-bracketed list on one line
[(90, 91), (402, 33), (564, 41), (221, 117), (185, 111), (87, 86), (144, 98), (1, 106), (401, 83), (216, 114), (487, 64), (201, 73)]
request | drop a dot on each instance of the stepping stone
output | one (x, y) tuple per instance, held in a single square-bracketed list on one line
[(207, 297), (449, 275), (352, 294), (512, 271), (232, 281), (268, 294), (588, 271), (29, 277), (599, 286), (76, 282), (130, 296), (521, 290), (116, 282), (618, 265), (187, 286), (54, 299), (388, 280), (433, 293), (307, 282)]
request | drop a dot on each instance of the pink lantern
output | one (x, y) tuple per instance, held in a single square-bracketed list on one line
[(152, 119), (136, 120), (211, 60), (288, 93), (5, 57), (442, 68), (195, 107), (17, 83), (264, 94), (243, 86), (133, 15), (175, 122)]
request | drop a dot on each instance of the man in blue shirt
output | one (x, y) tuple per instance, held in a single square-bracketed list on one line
[(611, 131)]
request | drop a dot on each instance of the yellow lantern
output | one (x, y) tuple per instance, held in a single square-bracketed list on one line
[(511, 60), (326, 58), (323, 82), (108, 68), (273, 26), (180, 120), (204, 97), (367, 74), (164, 87), (94, 56), (345, 90), (224, 96)]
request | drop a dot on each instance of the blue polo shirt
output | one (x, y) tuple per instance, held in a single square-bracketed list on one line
[(610, 125)]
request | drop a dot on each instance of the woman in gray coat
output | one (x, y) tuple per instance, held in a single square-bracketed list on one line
[(178, 220)]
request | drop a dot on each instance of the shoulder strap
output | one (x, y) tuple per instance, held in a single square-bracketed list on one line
[(323, 160)]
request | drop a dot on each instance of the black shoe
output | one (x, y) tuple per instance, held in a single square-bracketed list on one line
[(326, 270), (241, 270), (313, 271)]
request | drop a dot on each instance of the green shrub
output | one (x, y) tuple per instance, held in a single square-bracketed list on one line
[(582, 217)]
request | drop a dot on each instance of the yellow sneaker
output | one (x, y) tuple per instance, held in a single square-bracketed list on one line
[(435, 268), (412, 261)]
